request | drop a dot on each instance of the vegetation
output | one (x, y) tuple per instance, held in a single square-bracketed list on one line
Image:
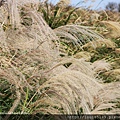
[(112, 6), (57, 59)]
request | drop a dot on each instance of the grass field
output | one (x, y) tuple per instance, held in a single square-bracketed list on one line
[(58, 59)]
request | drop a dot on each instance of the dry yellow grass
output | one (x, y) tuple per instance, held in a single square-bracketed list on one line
[(113, 29), (63, 3), (117, 50), (29, 55), (101, 66), (84, 54), (114, 74), (99, 43)]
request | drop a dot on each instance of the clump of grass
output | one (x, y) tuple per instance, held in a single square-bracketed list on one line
[(117, 41), (73, 37), (7, 97), (57, 15), (104, 53)]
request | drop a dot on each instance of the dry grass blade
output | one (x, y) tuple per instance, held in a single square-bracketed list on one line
[(13, 13), (76, 34), (99, 43), (73, 64), (108, 99), (71, 90), (3, 43), (101, 66), (84, 55), (113, 29), (63, 3), (28, 47)]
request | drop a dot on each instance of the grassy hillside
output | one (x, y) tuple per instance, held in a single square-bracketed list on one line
[(58, 59)]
